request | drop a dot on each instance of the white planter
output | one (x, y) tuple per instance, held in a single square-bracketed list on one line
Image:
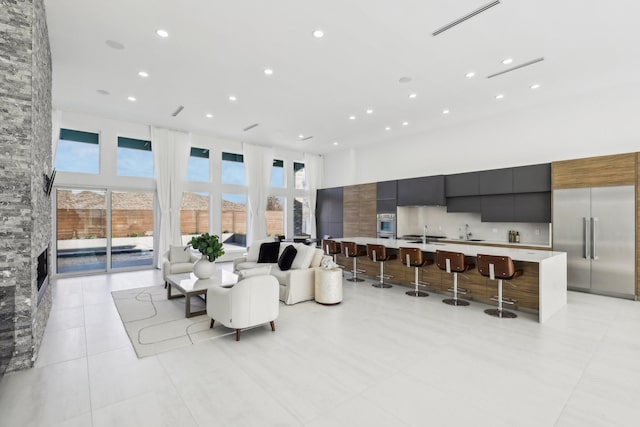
[(203, 268)]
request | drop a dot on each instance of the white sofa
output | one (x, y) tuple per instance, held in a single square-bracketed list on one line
[(296, 284), (178, 259)]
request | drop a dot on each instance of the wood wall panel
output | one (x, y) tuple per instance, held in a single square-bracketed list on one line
[(618, 169), (638, 226), (359, 210)]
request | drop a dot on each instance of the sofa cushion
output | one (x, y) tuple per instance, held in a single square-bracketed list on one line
[(268, 252), (248, 265), (259, 271), (282, 276), (254, 249), (179, 254), (317, 258), (181, 267), (304, 257), (287, 258)]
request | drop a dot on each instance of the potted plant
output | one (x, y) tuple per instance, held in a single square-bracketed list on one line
[(211, 248)]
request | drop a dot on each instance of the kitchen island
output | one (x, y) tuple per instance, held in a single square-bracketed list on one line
[(542, 288)]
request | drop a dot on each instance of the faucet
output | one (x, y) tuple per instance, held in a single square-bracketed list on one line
[(467, 233), (424, 234)]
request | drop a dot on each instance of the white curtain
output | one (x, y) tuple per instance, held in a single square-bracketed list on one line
[(55, 134), (170, 158), (314, 166), (258, 162)]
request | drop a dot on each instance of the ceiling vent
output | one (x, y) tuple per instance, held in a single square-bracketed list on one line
[(465, 17), (251, 127), (517, 67), (307, 138), (178, 110)]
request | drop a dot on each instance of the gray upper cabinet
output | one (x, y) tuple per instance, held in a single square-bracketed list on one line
[(424, 191), (532, 179), (386, 190), (464, 204), (532, 207), (462, 184), (499, 208), (497, 181)]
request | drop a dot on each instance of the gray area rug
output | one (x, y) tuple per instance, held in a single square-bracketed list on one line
[(155, 324)]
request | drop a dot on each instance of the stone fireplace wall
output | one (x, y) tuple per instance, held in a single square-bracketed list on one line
[(25, 154)]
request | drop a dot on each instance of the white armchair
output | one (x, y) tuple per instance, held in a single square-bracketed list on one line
[(178, 259), (249, 302)]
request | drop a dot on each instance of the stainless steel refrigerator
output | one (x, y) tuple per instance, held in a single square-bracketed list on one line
[(596, 227)]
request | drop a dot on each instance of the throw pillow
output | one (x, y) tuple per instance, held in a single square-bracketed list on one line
[(317, 258), (304, 257), (260, 271), (254, 250), (269, 252), (287, 257), (179, 254)]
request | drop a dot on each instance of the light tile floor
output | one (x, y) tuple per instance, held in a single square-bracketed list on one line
[(380, 358)]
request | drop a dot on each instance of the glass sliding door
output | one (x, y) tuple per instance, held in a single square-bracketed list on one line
[(81, 230), (275, 216), (234, 223), (194, 215), (131, 229)]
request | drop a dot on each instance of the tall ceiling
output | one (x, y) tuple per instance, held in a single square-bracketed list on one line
[(217, 49)]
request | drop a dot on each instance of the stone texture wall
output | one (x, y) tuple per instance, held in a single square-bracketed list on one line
[(25, 154)]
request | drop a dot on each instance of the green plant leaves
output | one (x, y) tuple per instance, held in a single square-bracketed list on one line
[(208, 245)]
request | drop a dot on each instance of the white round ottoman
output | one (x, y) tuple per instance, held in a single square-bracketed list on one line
[(328, 285)]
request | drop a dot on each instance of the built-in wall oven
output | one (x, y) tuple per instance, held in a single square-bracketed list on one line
[(386, 226)]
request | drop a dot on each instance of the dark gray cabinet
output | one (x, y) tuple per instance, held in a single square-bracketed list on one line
[(497, 181), (386, 196), (464, 204), (498, 208), (329, 212), (532, 207), (462, 184), (424, 191), (532, 179)]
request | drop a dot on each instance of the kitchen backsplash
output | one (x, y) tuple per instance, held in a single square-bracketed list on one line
[(411, 220)]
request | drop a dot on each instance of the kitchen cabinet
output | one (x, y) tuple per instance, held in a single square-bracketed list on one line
[(532, 178), (497, 181), (386, 197), (359, 210), (526, 207), (498, 208), (423, 191), (329, 212), (464, 204), (462, 184)]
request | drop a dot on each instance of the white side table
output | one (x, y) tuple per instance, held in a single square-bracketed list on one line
[(328, 288)]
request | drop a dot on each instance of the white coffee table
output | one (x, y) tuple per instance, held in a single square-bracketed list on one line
[(188, 285)]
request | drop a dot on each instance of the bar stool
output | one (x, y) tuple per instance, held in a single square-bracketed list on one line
[(454, 262), (413, 257), (378, 253), (500, 268), (350, 250), (331, 247)]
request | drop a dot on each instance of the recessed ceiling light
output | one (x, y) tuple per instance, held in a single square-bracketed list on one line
[(499, 96), (131, 98), (115, 45), (352, 117), (369, 111), (162, 33), (535, 86), (335, 143), (405, 79), (405, 123), (318, 34), (413, 95), (445, 111), (143, 74), (209, 115), (268, 71), (470, 74), (300, 136), (387, 128), (507, 61), (103, 92), (233, 98)]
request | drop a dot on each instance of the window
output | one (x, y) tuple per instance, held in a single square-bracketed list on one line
[(234, 223), (198, 168), (277, 174), (134, 158), (233, 169), (275, 216), (299, 175), (301, 218), (78, 151), (194, 215)]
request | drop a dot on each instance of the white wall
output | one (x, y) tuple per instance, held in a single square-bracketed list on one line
[(601, 122)]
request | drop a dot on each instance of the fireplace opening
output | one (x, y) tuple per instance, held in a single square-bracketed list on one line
[(43, 273)]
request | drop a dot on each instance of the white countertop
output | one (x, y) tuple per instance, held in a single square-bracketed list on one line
[(526, 255)]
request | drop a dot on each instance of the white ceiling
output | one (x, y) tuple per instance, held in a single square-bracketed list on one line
[(220, 48)]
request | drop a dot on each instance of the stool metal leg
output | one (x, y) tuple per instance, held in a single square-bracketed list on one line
[(455, 301), (381, 284), (354, 273), (499, 312), (416, 292)]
